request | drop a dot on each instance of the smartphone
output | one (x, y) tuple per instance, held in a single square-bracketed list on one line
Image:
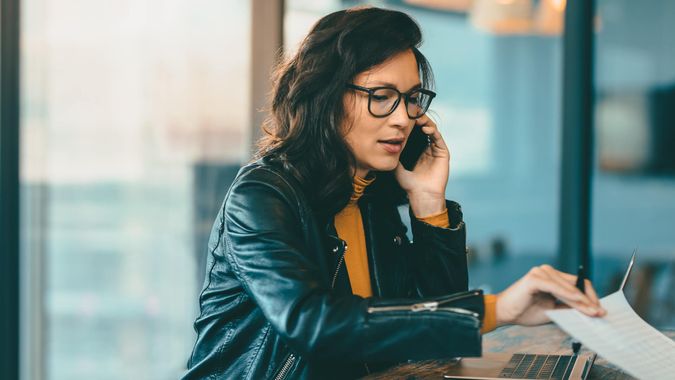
[(416, 144)]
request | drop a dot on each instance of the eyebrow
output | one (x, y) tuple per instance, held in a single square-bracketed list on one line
[(389, 84)]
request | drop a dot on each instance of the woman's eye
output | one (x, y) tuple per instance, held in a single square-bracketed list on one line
[(380, 98), (414, 100)]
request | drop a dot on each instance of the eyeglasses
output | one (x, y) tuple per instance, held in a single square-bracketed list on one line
[(382, 101)]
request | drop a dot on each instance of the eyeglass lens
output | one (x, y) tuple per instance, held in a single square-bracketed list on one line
[(384, 100)]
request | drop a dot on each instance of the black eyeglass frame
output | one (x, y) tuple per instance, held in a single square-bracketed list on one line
[(406, 98)]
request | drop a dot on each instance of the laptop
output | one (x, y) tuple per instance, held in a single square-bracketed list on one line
[(522, 366), (527, 366)]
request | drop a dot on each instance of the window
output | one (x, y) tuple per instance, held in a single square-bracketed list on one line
[(129, 123), (634, 182)]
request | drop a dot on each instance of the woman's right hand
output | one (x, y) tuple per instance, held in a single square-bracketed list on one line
[(526, 301)]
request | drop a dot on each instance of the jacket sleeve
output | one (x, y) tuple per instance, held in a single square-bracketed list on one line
[(438, 254), (264, 239)]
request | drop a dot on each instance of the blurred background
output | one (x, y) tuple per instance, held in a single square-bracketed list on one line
[(136, 115)]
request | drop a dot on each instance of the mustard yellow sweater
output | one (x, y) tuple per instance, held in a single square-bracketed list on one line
[(349, 226)]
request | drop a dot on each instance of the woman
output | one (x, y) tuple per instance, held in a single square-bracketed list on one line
[(310, 274)]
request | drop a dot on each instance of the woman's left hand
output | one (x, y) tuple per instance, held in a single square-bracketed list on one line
[(425, 184)]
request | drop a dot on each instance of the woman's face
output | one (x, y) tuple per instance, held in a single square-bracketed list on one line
[(377, 142)]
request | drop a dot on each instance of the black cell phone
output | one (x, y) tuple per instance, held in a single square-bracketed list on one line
[(416, 144)]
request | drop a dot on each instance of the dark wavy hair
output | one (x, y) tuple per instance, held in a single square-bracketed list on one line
[(303, 131)]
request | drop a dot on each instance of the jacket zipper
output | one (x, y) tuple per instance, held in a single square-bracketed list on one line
[(291, 358), (283, 372), (332, 285), (426, 306), (342, 259), (430, 306)]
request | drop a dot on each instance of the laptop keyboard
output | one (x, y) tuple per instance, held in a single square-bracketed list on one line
[(532, 366)]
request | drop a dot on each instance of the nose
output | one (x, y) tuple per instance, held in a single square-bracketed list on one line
[(399, 117)]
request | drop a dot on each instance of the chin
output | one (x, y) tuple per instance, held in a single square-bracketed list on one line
[(385, 165)]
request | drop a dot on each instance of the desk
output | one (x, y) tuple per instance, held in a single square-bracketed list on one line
[(540, 339)]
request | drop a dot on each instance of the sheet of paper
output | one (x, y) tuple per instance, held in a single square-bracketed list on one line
[(621, 337)]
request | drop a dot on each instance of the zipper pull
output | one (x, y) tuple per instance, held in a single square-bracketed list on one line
[(425, 306)]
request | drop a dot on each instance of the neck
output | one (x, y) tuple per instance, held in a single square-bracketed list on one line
[(361, 172)]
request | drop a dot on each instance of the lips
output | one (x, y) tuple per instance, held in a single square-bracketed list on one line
[(394, 145)]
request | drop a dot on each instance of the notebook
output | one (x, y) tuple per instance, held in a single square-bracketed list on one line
[(622, 337), (541, 366)]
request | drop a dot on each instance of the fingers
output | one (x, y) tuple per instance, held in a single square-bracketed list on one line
[(543, 281), (557, 278), (571, 298), (572, 280), (430, 129), (546, 279)]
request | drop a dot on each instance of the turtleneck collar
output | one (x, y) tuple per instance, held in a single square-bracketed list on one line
[(359, 185)]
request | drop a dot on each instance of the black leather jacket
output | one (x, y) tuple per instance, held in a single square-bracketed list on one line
[(276, 301)]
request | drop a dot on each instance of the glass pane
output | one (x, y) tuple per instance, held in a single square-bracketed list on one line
[(498, 107), (634, 185), (134, 115), (300, 15)]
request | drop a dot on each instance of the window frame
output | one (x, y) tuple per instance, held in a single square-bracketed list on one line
[(9, 187)]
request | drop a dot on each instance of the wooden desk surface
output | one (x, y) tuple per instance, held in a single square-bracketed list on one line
[(540, 339)]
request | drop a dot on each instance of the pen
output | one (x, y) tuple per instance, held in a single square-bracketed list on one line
[(581, 285)]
